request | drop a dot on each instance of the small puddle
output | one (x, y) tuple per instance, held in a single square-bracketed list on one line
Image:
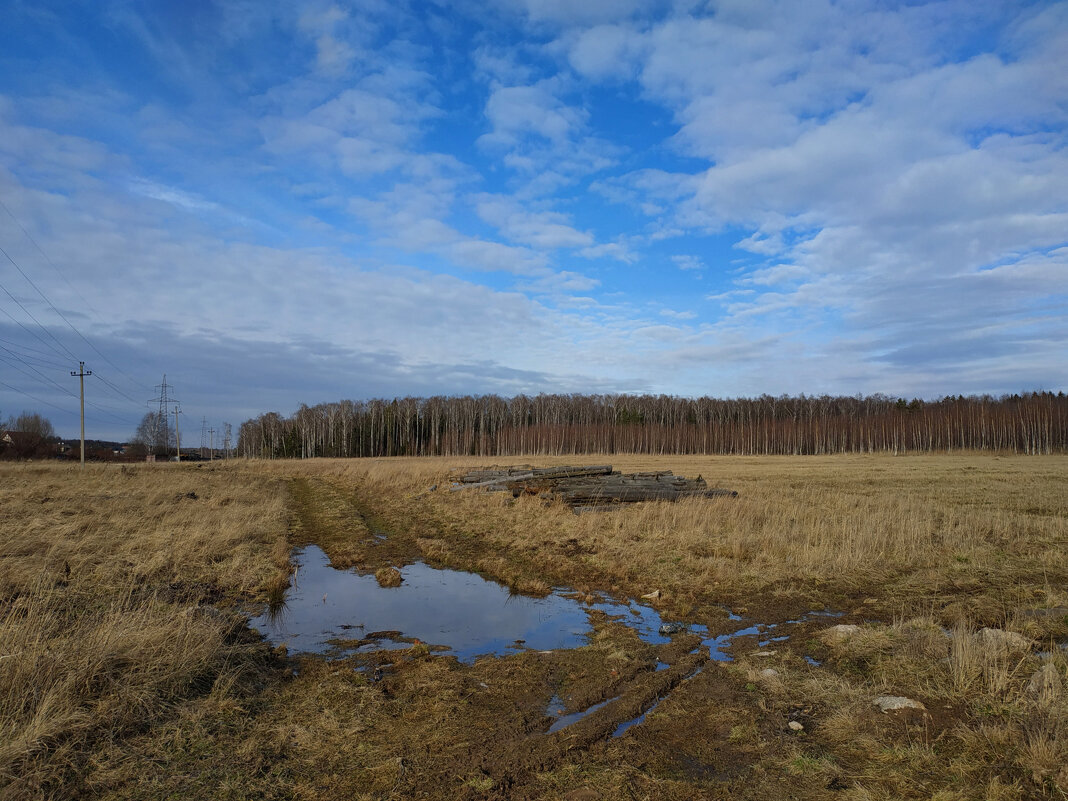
[(566, 720), (461, 612)]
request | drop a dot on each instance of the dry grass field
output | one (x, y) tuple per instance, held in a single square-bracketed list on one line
[(127, 669)]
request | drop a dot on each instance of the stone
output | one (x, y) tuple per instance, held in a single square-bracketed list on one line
[(1007, 640), (795, 726), (1045, 683), (889, 703), (769, 673), (839, 633), (763, 653), (667, 629)]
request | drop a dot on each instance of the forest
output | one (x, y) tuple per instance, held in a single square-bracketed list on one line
[(489, 425)]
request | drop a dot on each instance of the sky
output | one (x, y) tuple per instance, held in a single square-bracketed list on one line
[(276, 203)]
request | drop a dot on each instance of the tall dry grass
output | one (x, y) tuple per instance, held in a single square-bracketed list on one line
[(109, 581), (104, 628), (976, 528)]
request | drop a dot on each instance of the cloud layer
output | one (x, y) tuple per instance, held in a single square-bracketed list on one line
[(350, 200)]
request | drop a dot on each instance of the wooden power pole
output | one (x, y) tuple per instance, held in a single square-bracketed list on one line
[(177, 435), (82, 373)]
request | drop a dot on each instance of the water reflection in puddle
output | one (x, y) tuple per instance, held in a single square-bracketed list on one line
[(566, 720), (462, 612), (469, 616)]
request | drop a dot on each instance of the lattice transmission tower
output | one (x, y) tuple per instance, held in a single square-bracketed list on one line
[(161, 438)]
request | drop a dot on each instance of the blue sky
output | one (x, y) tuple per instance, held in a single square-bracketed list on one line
[(277, 203)]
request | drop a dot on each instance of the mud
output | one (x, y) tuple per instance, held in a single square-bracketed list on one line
[(484, 692)]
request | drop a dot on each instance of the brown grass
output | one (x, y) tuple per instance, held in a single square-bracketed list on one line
[(978, 530), (124, 672), (102, 580)]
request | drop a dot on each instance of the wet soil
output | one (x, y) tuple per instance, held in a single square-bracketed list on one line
[(500, 694), (494, 684)]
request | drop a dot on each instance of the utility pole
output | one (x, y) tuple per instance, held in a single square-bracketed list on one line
[(82, 373), (211, 444), (177, 435)]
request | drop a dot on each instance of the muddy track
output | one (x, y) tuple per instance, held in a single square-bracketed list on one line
[(512, 763), (329, 516)]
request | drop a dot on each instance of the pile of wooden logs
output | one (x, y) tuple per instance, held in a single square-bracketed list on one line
[(587, 485)]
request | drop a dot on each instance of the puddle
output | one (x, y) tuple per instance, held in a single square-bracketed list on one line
[(717, 646), (566, 720), (556, 707), (622, 727), (461, 612), (770, 640), (328, 610)]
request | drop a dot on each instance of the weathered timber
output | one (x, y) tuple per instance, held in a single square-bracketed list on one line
[(500, 478), (492, 483), (633, 494), (588, 486)]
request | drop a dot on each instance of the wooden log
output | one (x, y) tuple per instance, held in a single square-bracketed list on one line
[(515, 481), (500, 481), (573, 471), (590, 495), (621, 494)]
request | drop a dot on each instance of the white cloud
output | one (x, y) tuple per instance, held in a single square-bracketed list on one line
[(545, 229), (566, 12), (516, 112), (620, 251), (605, 51), (688, 262), (678, 315)]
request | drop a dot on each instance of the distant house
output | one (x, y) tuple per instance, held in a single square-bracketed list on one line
[(18, 443), (10, 437)]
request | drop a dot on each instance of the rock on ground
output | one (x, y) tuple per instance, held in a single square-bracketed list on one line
[(839, 633), (889, 703), (1045, 683), (999, 638)]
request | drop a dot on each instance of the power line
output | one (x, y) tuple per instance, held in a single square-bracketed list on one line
[(40, 375), (114, 414), (30, 358), (33, 398), (46, 258), (27, 347), (61, 314), (81, 297), (116, 389), (28, 331)]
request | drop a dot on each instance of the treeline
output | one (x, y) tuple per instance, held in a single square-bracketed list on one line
[(488, 425)]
